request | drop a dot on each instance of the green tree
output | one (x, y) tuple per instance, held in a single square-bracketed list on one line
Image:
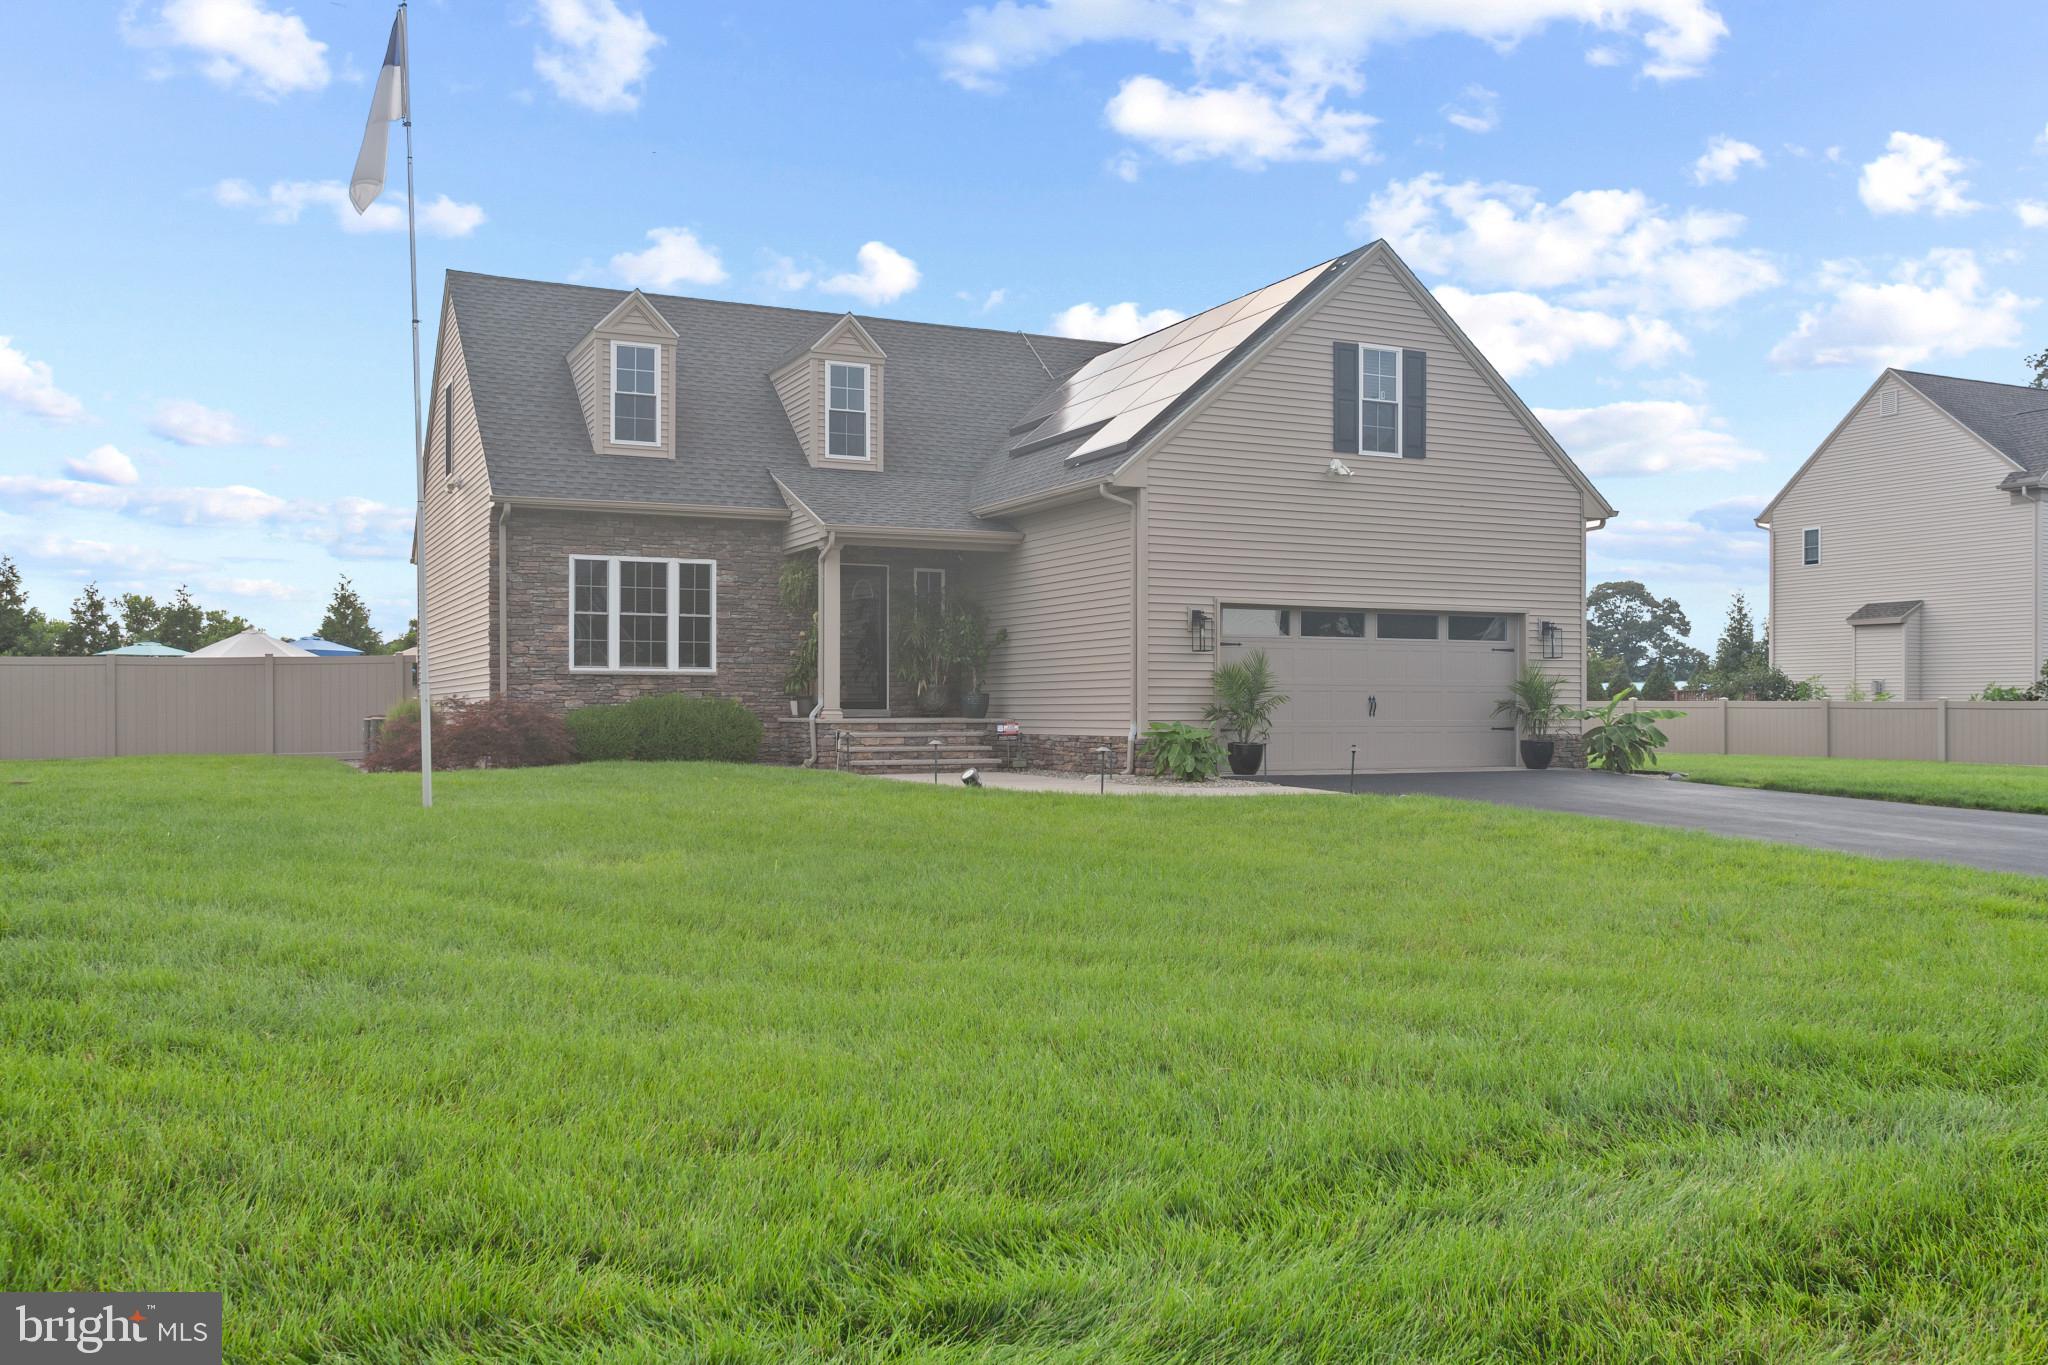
[(1627, 622), (182, 624), (2038, 363), (398, 644), (347, 621), (92, 627), (1603, 676), (220, 625), (1659, 686), (1738, 649), (15, 612), (141, 618)]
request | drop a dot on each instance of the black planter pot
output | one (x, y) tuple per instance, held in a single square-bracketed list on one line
[(1246, 759), (935, 703), (1537, 753), (974, 705)]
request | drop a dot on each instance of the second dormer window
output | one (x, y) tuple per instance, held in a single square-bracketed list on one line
[(846, 415), (636, 394)]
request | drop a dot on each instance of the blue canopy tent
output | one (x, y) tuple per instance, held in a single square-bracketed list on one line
[(313, 644)]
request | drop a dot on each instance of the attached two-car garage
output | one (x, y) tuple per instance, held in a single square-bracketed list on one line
[(1410, 689)]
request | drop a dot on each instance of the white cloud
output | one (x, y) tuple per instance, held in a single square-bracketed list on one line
[(1117, 322), (1243, 123), (1520, 332), (102, 464), (1939, 305), (1724, 158), (884, 274), (1308, 40), (31, 386), (186, 423), (676, 257), (1605, 56), (1916, 173), (1124, 167), (988, 302), (784, 275), (1654, 436), (2032, 213), (1720, 544), (1478, 110), (286, 200), (74, 553), (1613, 247), (600, 54), (267, 588), (241, 44), (350, 527)]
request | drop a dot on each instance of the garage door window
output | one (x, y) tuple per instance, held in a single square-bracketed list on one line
[(1493, 628), (1401, 625), (1242, 621), (1344, 625)]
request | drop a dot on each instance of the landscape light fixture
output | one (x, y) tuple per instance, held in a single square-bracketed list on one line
[(935, 762), (1102, 752), (971, 778)]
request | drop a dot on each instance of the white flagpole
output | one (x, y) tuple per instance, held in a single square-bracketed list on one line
[(419, 449)]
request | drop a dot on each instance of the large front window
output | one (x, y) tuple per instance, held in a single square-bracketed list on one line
[(636, 394), (1379, 401), (643, 615), (846, 416)]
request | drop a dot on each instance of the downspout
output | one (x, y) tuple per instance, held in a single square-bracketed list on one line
[(811, 721), (504, 599), (1137, 624)]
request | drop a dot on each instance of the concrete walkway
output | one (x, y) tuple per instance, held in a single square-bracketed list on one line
[(1118, 785), (1997, 841)]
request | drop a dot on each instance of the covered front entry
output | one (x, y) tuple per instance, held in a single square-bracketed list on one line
[(864, 639), (1412, 690)]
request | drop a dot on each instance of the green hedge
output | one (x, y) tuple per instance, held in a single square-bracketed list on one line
[(667, 727)]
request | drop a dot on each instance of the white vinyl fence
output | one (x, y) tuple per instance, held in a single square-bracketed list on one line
[(1940, 731), (103, 707)]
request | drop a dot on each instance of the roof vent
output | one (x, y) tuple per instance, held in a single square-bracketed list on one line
[(1888, 403)]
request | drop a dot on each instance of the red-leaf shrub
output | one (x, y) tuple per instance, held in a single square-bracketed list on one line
[(499, 733)]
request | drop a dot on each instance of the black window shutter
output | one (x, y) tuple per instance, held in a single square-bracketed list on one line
[(1414, 404), (1344, 397)]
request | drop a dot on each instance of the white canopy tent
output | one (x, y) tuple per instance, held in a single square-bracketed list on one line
[(250, 644)]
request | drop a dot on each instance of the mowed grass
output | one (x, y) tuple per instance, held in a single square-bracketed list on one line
[(667, 1062), (1980, 786)]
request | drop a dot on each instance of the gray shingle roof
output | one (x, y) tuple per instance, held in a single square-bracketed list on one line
[(2013, 418), (953, 393), (1883, 613)]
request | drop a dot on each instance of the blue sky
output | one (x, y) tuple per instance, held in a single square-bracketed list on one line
[(1691, 231)]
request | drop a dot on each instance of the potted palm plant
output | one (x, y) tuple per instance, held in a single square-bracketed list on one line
[(798, 589), (1245, 700), (975, 645), (1533, 702), (925, 656)]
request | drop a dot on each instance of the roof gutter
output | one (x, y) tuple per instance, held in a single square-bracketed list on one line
[(655, 509)]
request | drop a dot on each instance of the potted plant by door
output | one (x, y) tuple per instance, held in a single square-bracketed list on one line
[(976, 644), (925, 658), (1245, 700), (798, 589), (1533, 702)]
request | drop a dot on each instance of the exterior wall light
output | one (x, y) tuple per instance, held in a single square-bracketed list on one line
[(1201, 631), (1553, 640)]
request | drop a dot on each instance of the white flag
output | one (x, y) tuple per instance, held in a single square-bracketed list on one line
[(387, 105)]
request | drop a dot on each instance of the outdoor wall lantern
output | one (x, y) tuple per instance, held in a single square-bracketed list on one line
[(1201, 631), (1553, 640)]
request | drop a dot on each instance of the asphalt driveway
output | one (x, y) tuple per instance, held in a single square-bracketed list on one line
[(1998, 841)]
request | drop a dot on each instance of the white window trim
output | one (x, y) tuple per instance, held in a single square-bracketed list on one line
[(867, 398), (611, 600), (612, 394), (1400, 417), (1804, 562), (916, 574)]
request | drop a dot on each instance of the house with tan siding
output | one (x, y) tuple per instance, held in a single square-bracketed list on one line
[(1907, 555), (1324, 468)]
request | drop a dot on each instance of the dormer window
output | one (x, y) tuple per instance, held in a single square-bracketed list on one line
[(846, 413), (636, 394)]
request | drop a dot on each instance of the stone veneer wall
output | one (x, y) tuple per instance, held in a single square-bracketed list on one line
[(1570, 752), (1069, 753), (755, 635)]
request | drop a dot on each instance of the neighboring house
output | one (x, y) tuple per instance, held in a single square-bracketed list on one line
[(1907, 553), (1324, 468)]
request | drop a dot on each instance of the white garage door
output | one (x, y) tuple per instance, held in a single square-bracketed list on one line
[(1410, 689)]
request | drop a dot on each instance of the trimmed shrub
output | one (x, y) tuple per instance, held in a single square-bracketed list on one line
[(499, 733), (668, 727)]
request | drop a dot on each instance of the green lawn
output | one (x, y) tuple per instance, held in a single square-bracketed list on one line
[(1980, 786), (667, 1063)]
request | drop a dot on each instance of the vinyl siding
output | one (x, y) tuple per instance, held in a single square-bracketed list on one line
[(796, 387), (1881, 656), (1240, 506), (1065, 597), (458, 535), (803, 531), (1908, 508)]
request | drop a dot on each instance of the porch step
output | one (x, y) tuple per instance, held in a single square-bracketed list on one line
[(946, 765), (923, 737), (904, 743)]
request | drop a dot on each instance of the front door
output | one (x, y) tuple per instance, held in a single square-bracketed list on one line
[(864, 639)]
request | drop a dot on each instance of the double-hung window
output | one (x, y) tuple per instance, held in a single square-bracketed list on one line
[(1379, 400), (643, 615), (928, 587), (846, 412), (1809, 545), (636, 394)]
